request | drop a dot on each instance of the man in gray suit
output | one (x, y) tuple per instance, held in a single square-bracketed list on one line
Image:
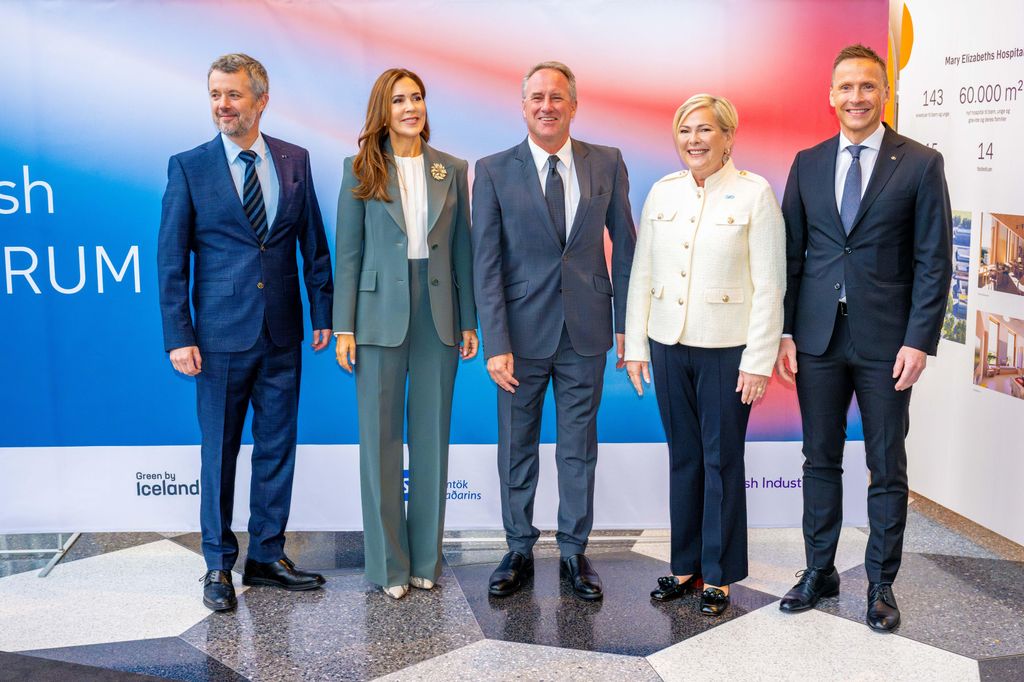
[(545, 303)]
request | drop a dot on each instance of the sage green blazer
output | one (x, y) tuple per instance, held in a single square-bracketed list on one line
[(371, 278)]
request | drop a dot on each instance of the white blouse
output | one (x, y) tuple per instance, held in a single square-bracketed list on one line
[(412, 180)]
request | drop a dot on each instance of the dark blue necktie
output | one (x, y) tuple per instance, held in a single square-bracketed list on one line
[(252, 196), (554, 194), (850, 203)]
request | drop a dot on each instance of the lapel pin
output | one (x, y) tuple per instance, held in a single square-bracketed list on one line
[(438, 171), (893, 157)]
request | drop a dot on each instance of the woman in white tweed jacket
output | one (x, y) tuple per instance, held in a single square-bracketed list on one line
[(705, 310)]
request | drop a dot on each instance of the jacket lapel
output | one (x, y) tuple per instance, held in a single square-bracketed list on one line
[(437, 190), (890, 153), (583, 167), (287, 181), (531, 182), (826, 170), (394, 207)]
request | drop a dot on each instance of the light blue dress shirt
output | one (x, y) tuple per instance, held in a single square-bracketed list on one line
[(265, 171)]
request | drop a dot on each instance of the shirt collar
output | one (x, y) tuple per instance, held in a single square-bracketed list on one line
[(233, 150), (873, 141), (540, 157)]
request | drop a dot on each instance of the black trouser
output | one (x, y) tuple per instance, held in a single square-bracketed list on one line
[(705, 426), (825, 385)]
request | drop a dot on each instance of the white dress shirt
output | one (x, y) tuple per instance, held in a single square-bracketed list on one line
[(412, 180), (567, 170), (269, 184)]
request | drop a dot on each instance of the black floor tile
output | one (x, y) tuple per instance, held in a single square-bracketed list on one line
[(310, 550), (1004, 669), (167, 658), (626, 621), (19, 668)]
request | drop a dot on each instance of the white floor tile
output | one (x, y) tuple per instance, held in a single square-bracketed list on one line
[(770, 645), (143, 592)]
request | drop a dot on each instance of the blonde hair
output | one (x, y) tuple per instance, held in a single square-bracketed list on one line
[(725, 113)]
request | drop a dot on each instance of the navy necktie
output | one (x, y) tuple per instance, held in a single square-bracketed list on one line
[(252, 196), (554, 194), (850, 203)]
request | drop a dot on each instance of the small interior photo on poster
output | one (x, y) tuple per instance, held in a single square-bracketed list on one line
[(1002, 253), (954, 325), (999, 354)]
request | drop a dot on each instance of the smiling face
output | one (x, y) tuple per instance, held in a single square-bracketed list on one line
[(548, 109), (701, 143), (858, 94), (408, 110), (236, 111)]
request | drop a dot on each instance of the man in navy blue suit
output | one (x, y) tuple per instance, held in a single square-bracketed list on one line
[(868, 248), (237, 206)]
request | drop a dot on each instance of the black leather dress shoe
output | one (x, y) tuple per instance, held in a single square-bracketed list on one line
[(883, 614), (281, 573), (670, 588), (218, 592), (511, 573), (713, 601), (586, 583), (815, 583)]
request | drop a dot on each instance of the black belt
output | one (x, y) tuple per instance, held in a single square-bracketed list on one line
[(842, 309)]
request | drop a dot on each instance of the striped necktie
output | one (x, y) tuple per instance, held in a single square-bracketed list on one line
[(252, 196)]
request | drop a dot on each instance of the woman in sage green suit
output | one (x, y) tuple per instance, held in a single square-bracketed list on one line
[(404, 299)]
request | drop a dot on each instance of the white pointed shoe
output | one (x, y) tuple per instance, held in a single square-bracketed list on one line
[(396, 591), (421, 583)]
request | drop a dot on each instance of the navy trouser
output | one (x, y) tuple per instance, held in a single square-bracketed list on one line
[(705, 426), (267, 376), (825, 385)]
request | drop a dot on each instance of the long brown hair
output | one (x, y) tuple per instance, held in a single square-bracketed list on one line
[(371, 163)]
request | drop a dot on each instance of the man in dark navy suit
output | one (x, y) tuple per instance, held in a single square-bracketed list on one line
[(868, 247), (238, 205)]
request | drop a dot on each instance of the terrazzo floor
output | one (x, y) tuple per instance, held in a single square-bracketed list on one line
[(127, 606)]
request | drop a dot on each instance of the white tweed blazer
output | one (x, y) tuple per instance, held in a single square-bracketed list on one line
[(710, 268)]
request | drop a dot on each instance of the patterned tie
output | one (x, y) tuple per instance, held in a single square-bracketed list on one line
[(554, 194), (252, 196), (850, 203)]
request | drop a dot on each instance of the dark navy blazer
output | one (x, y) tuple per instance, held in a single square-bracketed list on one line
[(526, 286), (896, 261), (238, 282)]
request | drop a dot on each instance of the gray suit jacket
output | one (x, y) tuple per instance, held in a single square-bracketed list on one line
[(372, 270), (526, 285)]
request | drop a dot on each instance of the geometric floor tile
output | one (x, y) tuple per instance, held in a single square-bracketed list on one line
[(150, 590), (87, 545), (472, 550), (168, 658), (18, 668), (924, 536), (771, 645), (970, 606), (493, 660), (349, 629), (774, 554), (310, 550), (625, 622), (1005, 669)]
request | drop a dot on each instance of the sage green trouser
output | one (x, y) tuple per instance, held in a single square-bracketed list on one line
[(398, 545)]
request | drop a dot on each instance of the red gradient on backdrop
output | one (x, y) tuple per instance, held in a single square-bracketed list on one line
[(634, 67)]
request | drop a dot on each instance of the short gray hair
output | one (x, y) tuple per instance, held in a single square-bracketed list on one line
[(235, 62), (559, 67)]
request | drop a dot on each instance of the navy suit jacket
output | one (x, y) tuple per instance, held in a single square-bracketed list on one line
[(896, 261), (239, 283), (526, 286)]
